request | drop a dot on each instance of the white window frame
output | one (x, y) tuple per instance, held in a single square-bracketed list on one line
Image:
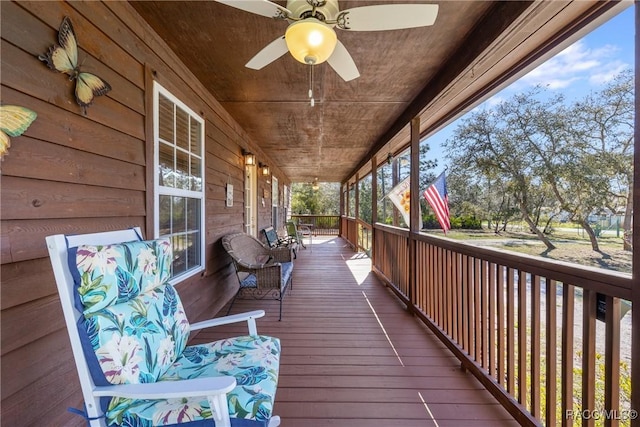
[(160, 190), (251, 200), (275, 205)]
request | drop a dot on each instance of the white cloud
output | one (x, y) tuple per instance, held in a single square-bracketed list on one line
[(576, 64), (608, 72)]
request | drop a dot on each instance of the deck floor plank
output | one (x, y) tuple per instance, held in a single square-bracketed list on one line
[(353, 356)]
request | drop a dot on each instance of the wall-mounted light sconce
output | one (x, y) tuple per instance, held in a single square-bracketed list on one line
[(315, 185), (389, 158), (249, 158), (265, 169)]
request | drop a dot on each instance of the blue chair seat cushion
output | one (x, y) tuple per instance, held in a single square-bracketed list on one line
[(250, 281), (253, 361), (287, 270)]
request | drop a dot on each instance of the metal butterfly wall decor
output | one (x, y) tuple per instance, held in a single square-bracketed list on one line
[(64, 59), (14, 121)]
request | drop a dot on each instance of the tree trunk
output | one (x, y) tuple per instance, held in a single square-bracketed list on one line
[(592, 235), (547, 226), (626, 223), (532, 226)]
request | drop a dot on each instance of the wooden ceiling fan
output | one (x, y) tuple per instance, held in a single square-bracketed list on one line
[(311, 38)]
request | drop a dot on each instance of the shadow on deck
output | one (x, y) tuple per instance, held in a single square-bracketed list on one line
[(352, 356)]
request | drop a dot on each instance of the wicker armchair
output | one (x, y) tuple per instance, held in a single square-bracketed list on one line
[(263, 272)]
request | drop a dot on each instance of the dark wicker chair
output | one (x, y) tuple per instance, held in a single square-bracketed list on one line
[(263, 272), (273, 241)]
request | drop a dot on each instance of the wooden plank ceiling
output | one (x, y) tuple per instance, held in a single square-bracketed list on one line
[(432, 72)]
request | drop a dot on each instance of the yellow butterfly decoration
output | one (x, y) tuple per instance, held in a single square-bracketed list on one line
[(64, 59), (14, 120)]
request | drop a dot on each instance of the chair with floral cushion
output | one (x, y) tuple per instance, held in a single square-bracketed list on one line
[(128, 332)]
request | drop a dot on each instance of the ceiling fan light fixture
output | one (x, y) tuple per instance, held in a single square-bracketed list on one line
[(310, 41)]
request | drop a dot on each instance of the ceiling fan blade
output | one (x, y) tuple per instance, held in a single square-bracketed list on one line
[(268, 54), (387, 17), (342, 62), (259, 7)]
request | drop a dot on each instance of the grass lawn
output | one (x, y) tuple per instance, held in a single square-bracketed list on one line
[(572, 245)]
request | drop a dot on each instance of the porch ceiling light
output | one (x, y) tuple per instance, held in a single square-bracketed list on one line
[(310, 41)]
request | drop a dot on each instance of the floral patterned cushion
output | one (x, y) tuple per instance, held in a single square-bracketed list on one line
[(134, 319), (138, 340), (114, 274), (253, 361)]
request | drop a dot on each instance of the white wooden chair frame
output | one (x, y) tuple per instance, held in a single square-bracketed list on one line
[(215, 388)]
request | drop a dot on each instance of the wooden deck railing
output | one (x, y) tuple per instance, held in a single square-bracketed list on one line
[(525, 326), (321, 225), (358, 233)]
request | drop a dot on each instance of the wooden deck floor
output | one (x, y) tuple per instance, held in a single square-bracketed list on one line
[(352, 356)]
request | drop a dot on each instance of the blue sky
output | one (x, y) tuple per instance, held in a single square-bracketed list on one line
[(582, 67)]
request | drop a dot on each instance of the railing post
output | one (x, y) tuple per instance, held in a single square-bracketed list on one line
[(374, 205), (635, 292), (414, 219)]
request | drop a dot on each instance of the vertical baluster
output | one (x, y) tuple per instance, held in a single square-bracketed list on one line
[(550, 351), (477, 284), (511, 374), (492, 320), (467, 306), (440, 286), (588, 354), (485, 314), (448, 288), (568, 313), (535, 345), (455, 294), (612, 361), (501, 331), (431, 280), (522, 338)]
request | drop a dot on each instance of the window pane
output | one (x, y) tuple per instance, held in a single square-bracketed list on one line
[(182, 170), (165, 215), (165, 168), (178, 219), (179, 254), (193, 226), (165, 119), (196, 130), (193, 214), (182, 129), (196, 170)]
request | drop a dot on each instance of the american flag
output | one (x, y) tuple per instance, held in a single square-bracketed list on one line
[(438, 198)]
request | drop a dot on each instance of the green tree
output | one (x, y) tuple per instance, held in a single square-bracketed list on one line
[(549, 155), (365, 199), (607, 122), (488, 144), (325, 200)]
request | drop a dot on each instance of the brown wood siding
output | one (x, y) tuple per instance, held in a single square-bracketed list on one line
[(76, 173)]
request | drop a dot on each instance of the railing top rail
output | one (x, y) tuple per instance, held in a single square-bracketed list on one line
[(314, 216), (400, 231), (612, 283)]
